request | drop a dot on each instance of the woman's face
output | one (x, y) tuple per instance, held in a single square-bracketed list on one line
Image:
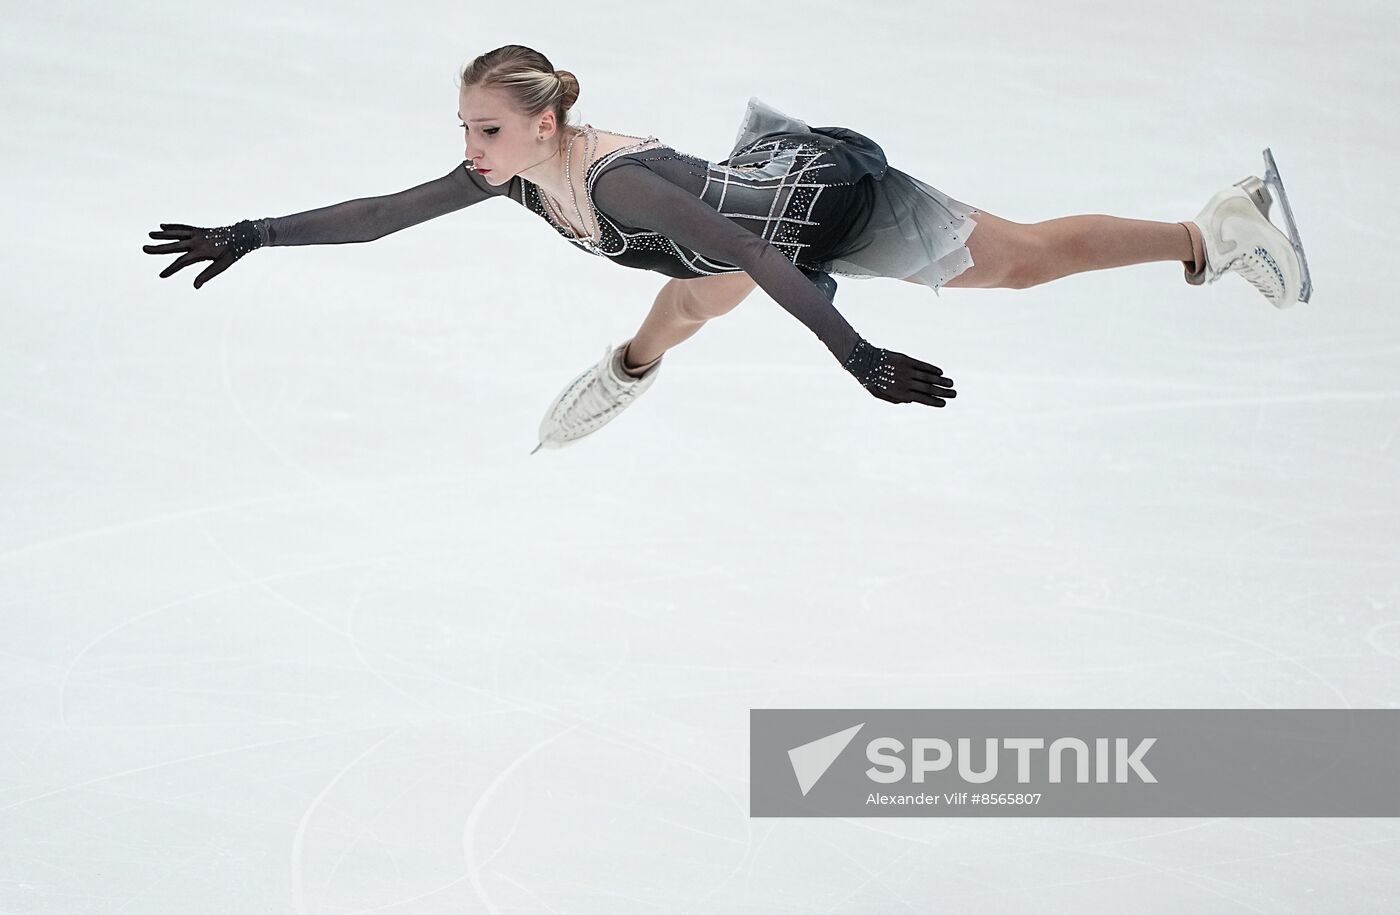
[(501, 143)]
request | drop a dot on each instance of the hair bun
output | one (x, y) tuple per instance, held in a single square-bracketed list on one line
[(568, 85)]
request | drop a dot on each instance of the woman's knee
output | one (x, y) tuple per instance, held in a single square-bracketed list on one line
[(709, 297), (1034, 263)]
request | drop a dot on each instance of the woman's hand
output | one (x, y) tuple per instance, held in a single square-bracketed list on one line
[(222, 245), (897, 378)]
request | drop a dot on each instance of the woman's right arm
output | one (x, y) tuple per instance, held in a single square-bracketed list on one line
[(371, 218), (360, 220)]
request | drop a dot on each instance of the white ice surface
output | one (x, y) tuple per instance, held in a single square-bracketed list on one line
[(289, 621)]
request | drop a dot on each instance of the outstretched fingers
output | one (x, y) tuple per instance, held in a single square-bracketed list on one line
[(214, 269), (922, 373), (931, 393), (183, 261), (925, 367), (927, 384), (176, 236), (173, 230), (926, 378)]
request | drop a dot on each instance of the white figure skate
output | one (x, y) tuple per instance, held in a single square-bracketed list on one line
[(593, 399), (1238, 236)]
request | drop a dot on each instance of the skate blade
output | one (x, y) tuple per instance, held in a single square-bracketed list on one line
[(1272, 179)]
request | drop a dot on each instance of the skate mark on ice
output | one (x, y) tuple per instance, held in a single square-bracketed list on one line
[(168, 763), (415, 481), (299, 839), (145, 890), (1372, 638), (1325, 397), (1243, 640), (317, 481), (536, 896), (354, 642), (871, 876), (470, 826), (259, 581), (365, 829)]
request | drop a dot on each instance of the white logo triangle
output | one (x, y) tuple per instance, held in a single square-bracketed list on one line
[(811, 760)]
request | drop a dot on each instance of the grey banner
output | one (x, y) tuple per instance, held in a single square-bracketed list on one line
[(1074, 762)]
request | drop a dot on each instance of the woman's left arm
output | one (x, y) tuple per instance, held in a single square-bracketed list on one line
[(639, 197)]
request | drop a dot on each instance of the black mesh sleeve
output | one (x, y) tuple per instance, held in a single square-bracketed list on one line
[(635, 195), (369, 218)]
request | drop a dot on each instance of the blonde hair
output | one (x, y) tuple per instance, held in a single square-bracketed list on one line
[(529, 80)]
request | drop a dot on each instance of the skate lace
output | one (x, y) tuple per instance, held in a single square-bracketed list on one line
[(1262, 271), (598, 399)]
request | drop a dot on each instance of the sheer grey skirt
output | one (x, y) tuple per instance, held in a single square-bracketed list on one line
[(913, 230)]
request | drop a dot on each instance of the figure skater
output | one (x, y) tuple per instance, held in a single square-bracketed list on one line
[(791, 207)]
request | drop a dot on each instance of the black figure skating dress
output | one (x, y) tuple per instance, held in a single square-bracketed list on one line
[(788, 196), (825, 197)]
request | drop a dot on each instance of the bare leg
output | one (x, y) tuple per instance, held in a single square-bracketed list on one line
[(1014, 255), (681, 308), (1076, 244)]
